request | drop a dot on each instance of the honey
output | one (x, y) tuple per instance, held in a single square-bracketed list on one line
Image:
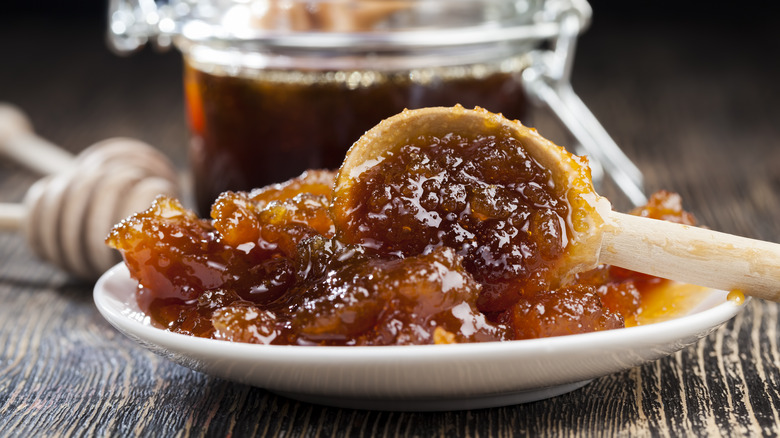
[(736, 296), (255, 127), (272, 267), (483, 196)]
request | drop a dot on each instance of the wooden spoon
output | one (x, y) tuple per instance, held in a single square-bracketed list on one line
[(678, 252)]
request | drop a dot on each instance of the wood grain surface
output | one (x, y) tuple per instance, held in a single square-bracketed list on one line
[(693, 100)]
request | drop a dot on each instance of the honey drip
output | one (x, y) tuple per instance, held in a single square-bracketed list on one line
[(736, 296)]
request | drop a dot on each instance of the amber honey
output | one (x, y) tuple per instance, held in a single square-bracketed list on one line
[(667, 301), (254, 127)]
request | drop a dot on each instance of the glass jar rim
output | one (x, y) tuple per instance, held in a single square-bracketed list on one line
[(132, 23)]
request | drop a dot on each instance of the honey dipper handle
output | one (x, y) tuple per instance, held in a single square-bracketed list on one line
[(19, 142), (692, 255), (11, 216)]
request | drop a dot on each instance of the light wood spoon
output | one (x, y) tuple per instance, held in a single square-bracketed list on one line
[(669, 250)]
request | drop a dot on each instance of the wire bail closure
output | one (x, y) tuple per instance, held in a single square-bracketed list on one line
[(548, 81)]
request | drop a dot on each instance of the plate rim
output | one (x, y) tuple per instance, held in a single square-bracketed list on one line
[(709, 318), (443, 377)]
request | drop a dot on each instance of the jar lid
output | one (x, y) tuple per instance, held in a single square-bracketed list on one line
[(337, 25)]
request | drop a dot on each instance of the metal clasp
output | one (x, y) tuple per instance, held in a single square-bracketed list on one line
[(547, 81)]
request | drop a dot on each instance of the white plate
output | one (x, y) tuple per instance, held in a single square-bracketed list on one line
[(415, 378)]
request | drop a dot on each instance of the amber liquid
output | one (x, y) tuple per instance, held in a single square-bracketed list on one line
[(253, 130)]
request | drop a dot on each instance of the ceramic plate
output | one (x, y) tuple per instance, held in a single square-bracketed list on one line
[(418, 378)]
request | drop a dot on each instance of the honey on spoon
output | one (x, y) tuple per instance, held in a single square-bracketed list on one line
[(586, 231)]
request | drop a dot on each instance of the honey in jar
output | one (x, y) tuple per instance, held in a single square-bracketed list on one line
[(260, 127), (274, 88)]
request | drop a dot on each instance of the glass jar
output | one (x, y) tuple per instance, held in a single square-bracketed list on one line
[(275, 87)]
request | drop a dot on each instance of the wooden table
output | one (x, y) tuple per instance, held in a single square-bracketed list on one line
[(695, 104)]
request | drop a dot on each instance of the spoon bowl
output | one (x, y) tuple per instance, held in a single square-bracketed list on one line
[(593, 234)]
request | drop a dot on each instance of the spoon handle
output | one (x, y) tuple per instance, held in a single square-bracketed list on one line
[(692, 255), (11, 216)]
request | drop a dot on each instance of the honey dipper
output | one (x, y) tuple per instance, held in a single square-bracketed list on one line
[(598, 235), (66, 215)]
